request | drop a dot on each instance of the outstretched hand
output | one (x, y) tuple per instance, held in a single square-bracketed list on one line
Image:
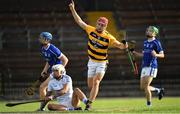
[(125, 44), (71, 5)]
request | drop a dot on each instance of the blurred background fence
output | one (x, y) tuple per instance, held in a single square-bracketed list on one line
[(21, 22)]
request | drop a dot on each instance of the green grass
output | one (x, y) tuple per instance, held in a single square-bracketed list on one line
[(111, 106)]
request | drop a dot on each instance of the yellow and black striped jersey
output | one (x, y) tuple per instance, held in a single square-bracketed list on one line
[(98, 44)]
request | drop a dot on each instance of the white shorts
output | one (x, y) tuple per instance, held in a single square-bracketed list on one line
[(96, 67), (149, 71), (66, 102)]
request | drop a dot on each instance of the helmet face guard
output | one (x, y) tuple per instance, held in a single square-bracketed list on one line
[(58, 71)]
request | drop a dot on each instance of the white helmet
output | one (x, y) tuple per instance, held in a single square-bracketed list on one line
[(58, 67)]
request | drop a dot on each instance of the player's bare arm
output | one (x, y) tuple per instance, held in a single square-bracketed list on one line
[(46, 99), (159, 55), (77, 18), (49, 96), (45, 69), (64, 59), (137, 53), (119, 45), (62, 91)]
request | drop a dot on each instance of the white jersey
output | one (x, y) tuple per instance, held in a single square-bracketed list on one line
[(55, 84)]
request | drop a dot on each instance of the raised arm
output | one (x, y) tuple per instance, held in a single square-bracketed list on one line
[(120, 45), (77, 18)]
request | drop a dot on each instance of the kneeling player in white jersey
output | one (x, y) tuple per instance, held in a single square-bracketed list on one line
[(152, 50), (61, 85)]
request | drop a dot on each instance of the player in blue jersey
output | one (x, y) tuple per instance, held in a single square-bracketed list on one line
[(52, 56), (152, 50)]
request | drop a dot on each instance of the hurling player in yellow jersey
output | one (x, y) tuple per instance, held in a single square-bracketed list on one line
[(98, 44)]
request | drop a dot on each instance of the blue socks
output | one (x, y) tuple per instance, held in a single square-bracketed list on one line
[(84, 100)]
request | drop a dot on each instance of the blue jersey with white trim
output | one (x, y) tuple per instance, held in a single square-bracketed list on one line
[(148, 59), (51, 55)]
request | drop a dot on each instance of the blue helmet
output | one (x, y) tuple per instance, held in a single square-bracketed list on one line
[(46, 35)]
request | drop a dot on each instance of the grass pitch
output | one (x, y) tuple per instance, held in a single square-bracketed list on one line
[(110, 106)]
